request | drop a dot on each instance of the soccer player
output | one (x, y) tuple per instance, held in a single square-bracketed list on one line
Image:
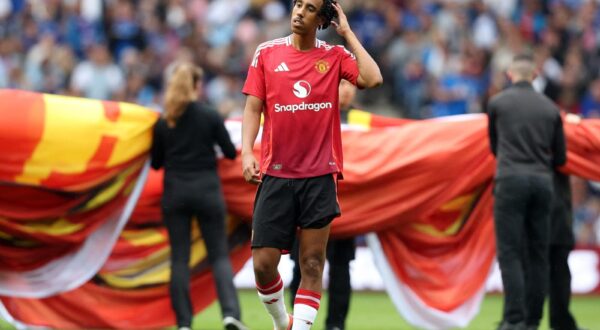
[(294, 82), (340, 251)]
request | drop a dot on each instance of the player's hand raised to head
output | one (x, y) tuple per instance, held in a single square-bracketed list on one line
[(250, 169), (342, 27)]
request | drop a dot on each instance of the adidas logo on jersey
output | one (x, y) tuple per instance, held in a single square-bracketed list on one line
[(282, 67)]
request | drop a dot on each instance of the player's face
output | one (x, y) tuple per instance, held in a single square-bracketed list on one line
[(305, 16)]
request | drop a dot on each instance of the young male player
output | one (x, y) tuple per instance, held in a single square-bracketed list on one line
[(294, 82)]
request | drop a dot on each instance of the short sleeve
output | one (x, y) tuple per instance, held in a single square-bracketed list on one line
[(349, 66), (255, 81)]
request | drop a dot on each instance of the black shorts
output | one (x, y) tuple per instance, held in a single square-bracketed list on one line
[(282, 205)]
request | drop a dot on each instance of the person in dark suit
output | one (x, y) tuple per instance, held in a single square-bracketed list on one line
[(183, 143), (340, 251), (527, 138), (562, 241)]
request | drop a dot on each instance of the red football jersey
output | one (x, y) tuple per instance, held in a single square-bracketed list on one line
[(301, 133)]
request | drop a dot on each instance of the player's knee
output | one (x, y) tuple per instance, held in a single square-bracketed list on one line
[(312, 266), (263, 267)]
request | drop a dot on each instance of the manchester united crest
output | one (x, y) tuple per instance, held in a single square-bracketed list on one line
[(322, 66)]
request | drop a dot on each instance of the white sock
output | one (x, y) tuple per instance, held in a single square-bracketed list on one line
[(306, 306), (272, 297)]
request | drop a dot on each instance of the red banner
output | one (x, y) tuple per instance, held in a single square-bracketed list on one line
[(424, 188)]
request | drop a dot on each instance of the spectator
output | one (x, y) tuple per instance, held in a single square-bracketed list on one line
[(590, 107), (99, 77), (485, 32), (124, 31), (530, 19), (456, 92)]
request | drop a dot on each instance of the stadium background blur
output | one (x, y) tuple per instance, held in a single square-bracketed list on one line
[(438, 57)]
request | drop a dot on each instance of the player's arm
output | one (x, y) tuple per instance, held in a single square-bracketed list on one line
[(369, 75), (250, 127)]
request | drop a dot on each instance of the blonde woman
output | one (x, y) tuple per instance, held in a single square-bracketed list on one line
[(183, 144)]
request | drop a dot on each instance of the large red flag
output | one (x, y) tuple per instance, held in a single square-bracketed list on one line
[(421, 188)]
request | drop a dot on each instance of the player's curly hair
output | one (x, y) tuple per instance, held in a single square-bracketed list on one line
[(328, 13)]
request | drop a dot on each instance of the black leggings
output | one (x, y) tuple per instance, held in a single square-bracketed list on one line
[(197, 194)]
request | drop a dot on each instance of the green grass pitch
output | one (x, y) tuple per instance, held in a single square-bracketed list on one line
[(374, 311)]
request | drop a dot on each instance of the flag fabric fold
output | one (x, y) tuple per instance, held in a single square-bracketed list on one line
[(76, 254)]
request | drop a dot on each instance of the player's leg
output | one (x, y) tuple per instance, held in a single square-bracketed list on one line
[(313, 243), (273, 230), (270, 285), (317, 207)]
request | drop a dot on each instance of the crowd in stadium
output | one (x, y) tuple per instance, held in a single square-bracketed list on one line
[(438, 57)]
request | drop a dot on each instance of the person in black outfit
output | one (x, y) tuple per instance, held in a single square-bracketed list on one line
[(527, 138), (183, 144), (562, 241), (340, 251)]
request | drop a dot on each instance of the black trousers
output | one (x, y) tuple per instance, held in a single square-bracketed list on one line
[(522, 222), (560, 289), (188, 195), (339, 254)]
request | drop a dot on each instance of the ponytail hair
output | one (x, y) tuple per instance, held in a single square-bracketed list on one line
[(181, 90)]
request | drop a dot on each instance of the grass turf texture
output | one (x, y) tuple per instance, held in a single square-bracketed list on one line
[(374, 311)]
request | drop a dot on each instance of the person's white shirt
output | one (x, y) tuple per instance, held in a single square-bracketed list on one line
[(97, 81)]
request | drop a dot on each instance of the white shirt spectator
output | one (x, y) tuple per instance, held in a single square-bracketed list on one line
[(485, 33), (504, 8), (3, 75), (91, 10), (97, 81), (5, 8)]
